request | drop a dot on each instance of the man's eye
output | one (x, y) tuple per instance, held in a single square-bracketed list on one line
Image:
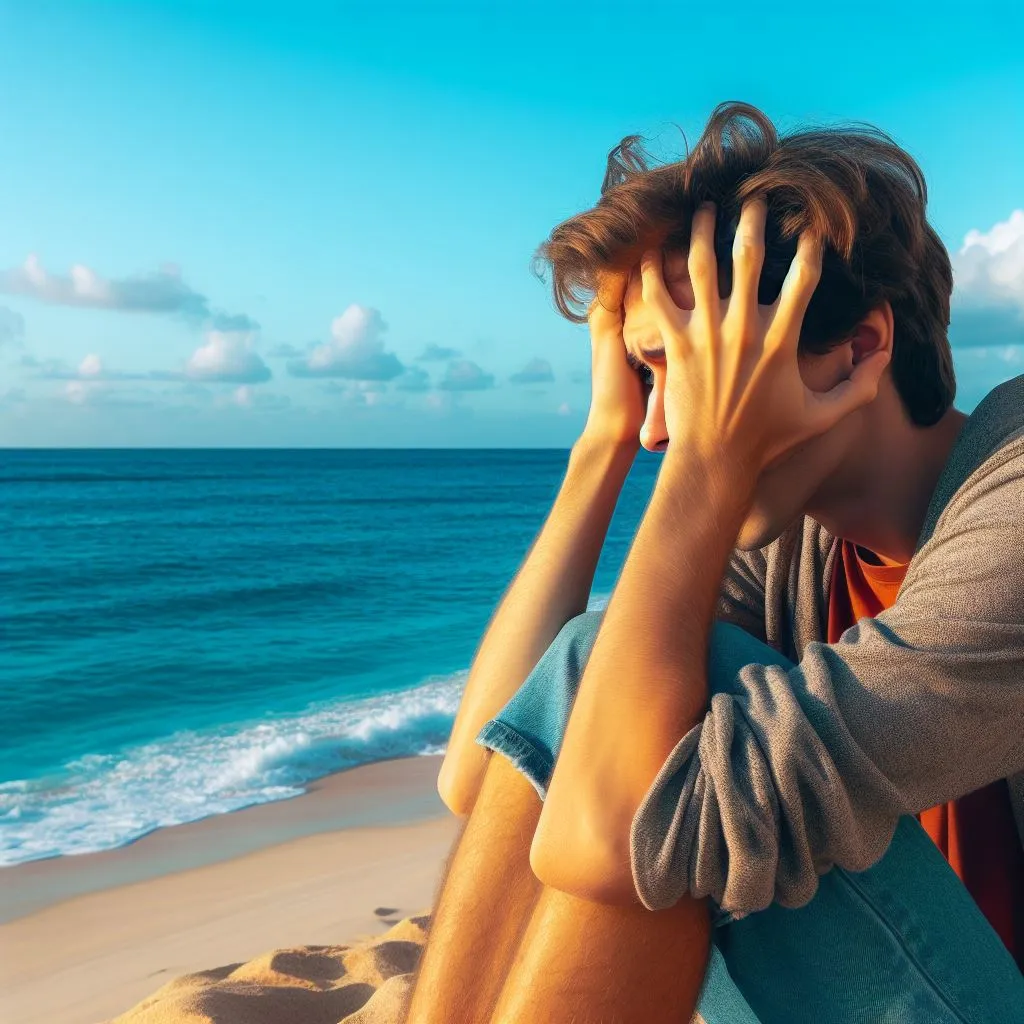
[(647, 375)]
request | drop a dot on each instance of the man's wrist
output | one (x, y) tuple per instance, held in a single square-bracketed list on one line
[(717, 474), (606, 440)]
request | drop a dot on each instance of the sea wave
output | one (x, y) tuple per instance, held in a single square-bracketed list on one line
[(102, 801)]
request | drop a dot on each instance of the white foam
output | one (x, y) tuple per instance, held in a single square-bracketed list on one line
[(103, 801)]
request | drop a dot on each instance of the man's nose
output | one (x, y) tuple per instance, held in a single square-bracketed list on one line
[(653, 435)]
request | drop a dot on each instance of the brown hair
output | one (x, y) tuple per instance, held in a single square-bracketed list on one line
[(853, 186)]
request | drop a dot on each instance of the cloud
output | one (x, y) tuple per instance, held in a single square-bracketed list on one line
[(535, 371), (414, 379), (12, 325), (233, 322), (441, 403), (361, 392), (161, 292), (96, 393), (91, 368), (465, 375), (227, 356), (355, 351), (988, 294), (287, 351), (437, 352), (247, 397)]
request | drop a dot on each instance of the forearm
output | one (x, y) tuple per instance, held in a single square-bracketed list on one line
[(645, 683), (551, 587)]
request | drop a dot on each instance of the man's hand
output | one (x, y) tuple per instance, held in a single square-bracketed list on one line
[(733, 388)]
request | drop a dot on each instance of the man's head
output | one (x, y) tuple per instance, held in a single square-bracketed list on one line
[(886, 278)]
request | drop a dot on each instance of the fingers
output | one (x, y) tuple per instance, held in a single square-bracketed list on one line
[(677, 278), (606, 311), (797, 289), (656, 296), (701, 262), (748, 256), (858, 389), (611, 288)]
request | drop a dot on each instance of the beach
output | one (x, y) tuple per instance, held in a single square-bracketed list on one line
[(228, 681), (85, 938)]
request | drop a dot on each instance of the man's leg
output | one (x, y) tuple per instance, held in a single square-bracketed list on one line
[(577, 961), (581, 962), (483, 903)]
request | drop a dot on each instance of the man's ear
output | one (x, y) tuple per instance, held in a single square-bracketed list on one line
[(873, 334)]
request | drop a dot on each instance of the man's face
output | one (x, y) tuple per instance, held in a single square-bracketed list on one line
[(808, 473)]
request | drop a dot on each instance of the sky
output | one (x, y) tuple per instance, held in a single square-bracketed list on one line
[(310, 224)]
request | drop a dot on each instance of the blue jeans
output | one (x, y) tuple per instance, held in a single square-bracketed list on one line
[(900, 943)]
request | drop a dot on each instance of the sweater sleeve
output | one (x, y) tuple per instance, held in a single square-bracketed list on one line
[(742, 593), (796, 768)]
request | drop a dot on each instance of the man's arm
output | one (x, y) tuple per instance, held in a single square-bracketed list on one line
[(645, 683), (796, 770), (551, 587)]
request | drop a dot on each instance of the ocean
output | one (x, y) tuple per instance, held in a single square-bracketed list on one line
[(187, 632)]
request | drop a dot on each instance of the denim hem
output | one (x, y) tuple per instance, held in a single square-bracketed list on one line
[(527, 758)]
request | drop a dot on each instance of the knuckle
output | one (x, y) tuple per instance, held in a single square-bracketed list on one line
[(747, 248), (699, 267), (807, 273)]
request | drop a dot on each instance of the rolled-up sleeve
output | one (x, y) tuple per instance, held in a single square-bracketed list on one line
[(796, 768)]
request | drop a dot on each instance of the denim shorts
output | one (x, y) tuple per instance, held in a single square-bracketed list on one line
[(900, 943)]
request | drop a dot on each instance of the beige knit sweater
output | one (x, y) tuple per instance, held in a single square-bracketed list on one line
[(919, 705)]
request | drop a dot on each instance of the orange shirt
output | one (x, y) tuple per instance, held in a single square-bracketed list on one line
[(977, 833)]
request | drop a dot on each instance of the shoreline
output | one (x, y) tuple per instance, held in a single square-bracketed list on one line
[(399, 790), (222, 890)]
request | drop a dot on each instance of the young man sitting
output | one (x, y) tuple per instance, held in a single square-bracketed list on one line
[(813, 658)]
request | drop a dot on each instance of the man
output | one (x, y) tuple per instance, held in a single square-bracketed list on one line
[(818, 490)]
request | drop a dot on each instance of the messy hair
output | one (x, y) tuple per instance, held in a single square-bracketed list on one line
[(853, 186)]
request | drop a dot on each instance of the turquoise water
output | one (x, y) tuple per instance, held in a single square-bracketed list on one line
[(185, 633)]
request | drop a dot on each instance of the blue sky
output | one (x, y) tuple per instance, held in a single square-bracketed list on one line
[(220, 222)]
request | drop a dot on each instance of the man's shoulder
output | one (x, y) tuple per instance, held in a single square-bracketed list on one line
[(988, 452)]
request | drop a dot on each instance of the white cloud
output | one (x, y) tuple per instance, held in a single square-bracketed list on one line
[(535, 371), (355, 351), (91, 366), (988, 293), (245, 396), (990, 264), (77, 392), (161, 292), (414, 379), (465, 375), (439, 402), (227, 356), (363, 393)]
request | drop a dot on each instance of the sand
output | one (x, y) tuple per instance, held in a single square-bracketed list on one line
[(270, 914)]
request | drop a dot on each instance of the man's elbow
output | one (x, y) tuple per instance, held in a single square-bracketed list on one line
[(456, 792), (592, 869)]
